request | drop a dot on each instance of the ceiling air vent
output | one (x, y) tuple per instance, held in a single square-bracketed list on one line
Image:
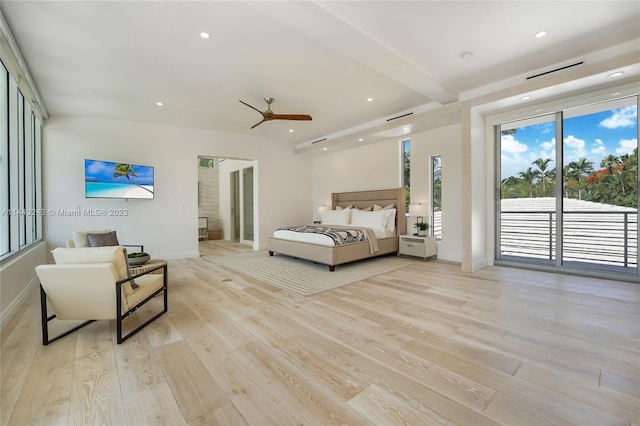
[(319, 140), (400, 116), (555, 70)]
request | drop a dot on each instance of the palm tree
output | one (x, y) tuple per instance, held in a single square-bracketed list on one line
[(508, 186), (542, 165), (578, 170), (529, 176), (609, 163)]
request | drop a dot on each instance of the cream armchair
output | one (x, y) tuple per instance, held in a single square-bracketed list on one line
[(91, 284)]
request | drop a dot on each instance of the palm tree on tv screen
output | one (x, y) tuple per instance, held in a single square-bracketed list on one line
[(126, 170)]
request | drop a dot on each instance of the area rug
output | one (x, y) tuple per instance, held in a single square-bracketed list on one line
[(302, 276)]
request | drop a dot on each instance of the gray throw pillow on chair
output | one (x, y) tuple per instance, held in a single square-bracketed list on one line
[(103, 240)]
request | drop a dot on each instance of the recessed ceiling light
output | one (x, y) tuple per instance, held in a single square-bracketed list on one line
[(540, 34), (160, 103), (616, 74), (290, 130), (406, 128), (204, 35), (360, 140), (369, 99), (324, 149), (526, 97), (615, 94)]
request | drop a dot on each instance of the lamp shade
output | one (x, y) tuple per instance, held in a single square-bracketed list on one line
[(418, 210)]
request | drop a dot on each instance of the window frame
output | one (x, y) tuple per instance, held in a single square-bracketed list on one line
[(21, 213)]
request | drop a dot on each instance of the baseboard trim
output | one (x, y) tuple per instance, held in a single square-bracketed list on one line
[(7, 315)]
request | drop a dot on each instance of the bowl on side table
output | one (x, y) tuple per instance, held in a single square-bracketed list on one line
[(137, 259)]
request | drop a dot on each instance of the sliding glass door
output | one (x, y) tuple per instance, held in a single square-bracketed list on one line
[(568, 189), (527, 196), (600, 190)]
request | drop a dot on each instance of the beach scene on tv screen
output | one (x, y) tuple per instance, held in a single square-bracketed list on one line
[(105, 179)]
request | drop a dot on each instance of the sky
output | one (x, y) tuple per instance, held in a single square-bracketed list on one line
[(594, 136), (102, 171)]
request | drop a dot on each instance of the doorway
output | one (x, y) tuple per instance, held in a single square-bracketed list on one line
[(226, 195)]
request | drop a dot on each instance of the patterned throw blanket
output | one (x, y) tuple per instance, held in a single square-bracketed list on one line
[(340, 234)]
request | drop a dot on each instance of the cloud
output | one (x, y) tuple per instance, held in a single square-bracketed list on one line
[(510, 144), (621, 117), (626, 146), (574, 148), (598, 147), (549, 146)]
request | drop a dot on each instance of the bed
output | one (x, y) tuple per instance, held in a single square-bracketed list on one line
[(333, 255)]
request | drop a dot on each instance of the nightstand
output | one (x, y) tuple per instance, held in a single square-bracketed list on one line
[(414, 245)]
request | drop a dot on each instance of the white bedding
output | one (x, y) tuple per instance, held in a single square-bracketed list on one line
[(320, 239)]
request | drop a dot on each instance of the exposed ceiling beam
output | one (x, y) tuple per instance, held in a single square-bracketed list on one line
[(316, 21)]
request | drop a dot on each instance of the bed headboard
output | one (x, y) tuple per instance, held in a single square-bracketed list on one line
[(381, 197)]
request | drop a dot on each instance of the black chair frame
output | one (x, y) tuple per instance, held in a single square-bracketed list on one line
[(46, 318)]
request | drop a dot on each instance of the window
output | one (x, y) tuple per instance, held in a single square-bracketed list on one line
[(20, 168), (436, 196), (568, 185), (405, 147)]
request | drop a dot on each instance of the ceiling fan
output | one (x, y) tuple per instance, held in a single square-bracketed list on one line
[(268, 115)]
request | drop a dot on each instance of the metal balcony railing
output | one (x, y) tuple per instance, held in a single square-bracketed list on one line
[(598, 237)]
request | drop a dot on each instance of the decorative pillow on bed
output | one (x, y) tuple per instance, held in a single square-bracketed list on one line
[(350, 206), (377, 207), (377, 219), (364, 209), (391, 221), (335, 217)]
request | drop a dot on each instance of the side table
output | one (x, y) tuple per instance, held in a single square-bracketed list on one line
[(414, 245), (135, 270)]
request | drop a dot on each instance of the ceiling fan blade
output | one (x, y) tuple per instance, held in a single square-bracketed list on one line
[(269, 115), (301, 117), (259, 123), (252, 107)]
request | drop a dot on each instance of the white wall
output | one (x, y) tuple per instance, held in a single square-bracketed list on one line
[(444, 141), (166, 225), (362, 168), (17, 278), (377, 166)]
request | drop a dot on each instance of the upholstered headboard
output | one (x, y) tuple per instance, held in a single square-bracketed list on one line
[(381, 197)]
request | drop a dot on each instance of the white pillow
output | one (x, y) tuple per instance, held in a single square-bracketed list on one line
[(373, 219), (391, 221), (335, 217)]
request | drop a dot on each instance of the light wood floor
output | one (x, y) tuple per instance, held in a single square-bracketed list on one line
[(426, 344)]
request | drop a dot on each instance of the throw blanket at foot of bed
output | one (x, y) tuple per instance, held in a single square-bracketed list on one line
[(340, 235)]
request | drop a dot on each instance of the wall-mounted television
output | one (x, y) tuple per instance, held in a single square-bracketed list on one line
[(106, 179)]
